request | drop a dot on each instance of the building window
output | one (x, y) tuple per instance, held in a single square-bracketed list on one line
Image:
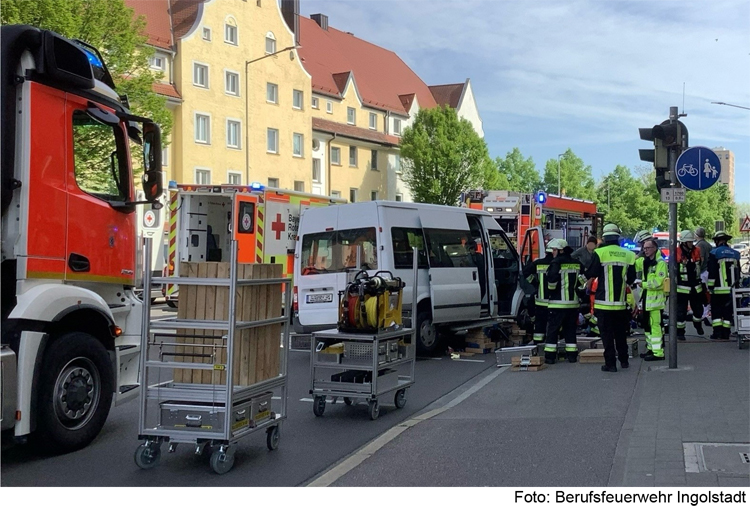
[(329, 106), (202, 129), (298, 140), (230, 34), (273, 183), (165, 156), (272, 140), (314, 103), (396, 126), (297, 99), (373, 121), (353, 192), (156, 62), (373, 195), (316, 170), (353, 156), (351, 116), (397, 163), (336, 156), (234, 177), (272, 93), (374, 159), (200, 75), (299, 186), (232, 83), (207, 34), (399, 197), (336, 194), (234, 138), (270, 43), (202, 176)]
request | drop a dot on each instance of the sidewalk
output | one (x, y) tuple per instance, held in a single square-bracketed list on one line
[(573, 425)]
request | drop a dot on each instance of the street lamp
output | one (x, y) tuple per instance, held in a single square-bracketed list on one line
[(247, 105), (733, 105), (558, 174)]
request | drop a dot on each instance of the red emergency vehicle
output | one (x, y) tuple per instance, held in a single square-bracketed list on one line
[(71, 322)]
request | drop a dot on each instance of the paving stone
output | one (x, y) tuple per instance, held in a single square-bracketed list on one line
[(740, 481)]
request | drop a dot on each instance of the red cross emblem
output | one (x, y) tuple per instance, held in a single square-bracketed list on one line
[(278, 226)]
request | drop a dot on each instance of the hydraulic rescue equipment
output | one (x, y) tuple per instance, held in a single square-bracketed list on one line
[(371, 304)]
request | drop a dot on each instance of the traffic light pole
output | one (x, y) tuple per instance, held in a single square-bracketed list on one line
[(673, 268)]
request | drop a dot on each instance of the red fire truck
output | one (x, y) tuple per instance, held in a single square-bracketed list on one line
[(561, 217), (71, 322)]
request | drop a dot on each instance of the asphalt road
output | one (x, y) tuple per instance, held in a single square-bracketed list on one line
[(308, 446)]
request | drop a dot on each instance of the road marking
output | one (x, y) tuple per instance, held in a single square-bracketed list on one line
[(355, 459), (469, 360)]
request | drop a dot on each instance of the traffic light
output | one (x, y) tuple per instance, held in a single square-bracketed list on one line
[(667, 136), (541, 197)]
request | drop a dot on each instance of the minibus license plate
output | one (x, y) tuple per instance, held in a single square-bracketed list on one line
[(320, 298)]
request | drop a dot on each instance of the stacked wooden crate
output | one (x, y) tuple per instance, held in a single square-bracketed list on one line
[(532, 363), (478, 342), (256, 350)]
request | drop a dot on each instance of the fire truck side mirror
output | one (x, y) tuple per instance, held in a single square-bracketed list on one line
[(152, 178)]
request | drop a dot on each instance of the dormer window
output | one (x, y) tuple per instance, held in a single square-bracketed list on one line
[(230, 32)]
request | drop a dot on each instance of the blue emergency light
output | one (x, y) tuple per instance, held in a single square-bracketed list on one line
[(541, 197), (256, 186)]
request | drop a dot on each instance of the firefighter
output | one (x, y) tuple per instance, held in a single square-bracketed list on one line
[(723, 274), (535, 273), (614, 268), (689, 285), (653, 299), (641, 237), (564, 276)]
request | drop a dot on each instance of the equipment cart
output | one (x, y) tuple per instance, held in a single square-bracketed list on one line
[(204, 382), (741, 301), (366, 366)]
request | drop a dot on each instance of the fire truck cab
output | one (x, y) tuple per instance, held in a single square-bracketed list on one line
[(71, 323)]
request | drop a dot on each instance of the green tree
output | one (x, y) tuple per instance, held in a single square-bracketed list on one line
[(521, 173), (575, 178), (622, 199), (109, 26), (443, 156), (704, 208)]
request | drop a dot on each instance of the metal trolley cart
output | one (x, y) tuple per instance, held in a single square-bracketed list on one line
[(213, 416), (741, 300), (363, 365)]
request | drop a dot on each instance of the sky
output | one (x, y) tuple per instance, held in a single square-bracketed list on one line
[(584, 75)]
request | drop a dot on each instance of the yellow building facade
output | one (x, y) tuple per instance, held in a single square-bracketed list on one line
[(244, 115)]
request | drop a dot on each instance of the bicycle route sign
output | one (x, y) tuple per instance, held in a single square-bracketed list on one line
[(698, 168)]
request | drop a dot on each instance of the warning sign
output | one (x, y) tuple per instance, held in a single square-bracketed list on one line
[(745, 224)]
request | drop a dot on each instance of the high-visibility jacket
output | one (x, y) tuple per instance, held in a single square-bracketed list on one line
[(689, 270), (723, 270), (536, 273), (655, 272), (564, 277), (614, 267)]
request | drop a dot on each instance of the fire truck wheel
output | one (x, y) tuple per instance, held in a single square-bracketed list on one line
[(427, 336), (75, 392)]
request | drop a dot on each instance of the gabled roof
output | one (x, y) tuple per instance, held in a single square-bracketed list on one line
[(380, 75), (353, 132), (158, 22), (168, 90), (449, 94)]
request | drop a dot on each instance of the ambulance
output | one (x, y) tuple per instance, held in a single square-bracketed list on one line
[(202, 218)]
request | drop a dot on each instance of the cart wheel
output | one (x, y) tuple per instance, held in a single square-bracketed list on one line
[(147, 456), (273, 435), (221, 462), (374, 409), (400, 398), (319, 405), (348, 401)]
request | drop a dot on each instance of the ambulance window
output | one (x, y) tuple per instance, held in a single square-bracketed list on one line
[(100, 164), (404, 241)]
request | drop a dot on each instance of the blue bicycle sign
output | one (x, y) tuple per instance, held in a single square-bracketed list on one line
[(698, 168)]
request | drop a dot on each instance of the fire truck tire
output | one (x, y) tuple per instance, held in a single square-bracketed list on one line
[(75, 392), (427, 335)]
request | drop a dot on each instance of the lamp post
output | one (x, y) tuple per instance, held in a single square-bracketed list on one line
[(733, 105), (558, 174), (247, 106)]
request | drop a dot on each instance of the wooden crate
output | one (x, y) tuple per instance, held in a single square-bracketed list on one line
[(534, 360), (256, 350), (518, 368), (592, 355)]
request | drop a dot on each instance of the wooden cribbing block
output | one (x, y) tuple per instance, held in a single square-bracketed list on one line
[(534, 360)]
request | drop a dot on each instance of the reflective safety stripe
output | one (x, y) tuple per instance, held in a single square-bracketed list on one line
[(539, 337), (726, 324), (571, 348), (550, 348), (716, 322)]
